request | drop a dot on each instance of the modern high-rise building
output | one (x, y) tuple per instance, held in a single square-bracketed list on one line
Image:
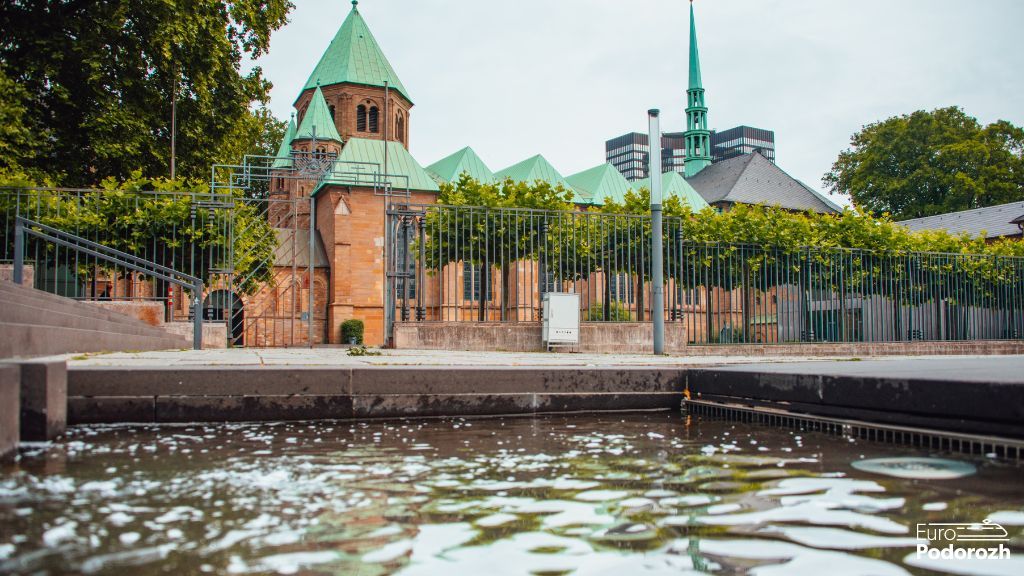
[(742, 140), (628, 153)]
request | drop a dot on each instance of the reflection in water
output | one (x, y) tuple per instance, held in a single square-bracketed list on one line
[(626, 495)]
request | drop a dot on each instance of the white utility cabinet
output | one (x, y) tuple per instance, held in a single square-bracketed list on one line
[(561, 319)]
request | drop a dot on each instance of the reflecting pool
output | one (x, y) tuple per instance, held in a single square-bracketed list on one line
[(642, 494)]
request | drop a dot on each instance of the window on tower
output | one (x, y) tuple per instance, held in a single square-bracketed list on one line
[(400, 129), (361, 118), (331, 108), (374, 119)]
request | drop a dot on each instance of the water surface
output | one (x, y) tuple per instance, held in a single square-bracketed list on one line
[(643, 495)]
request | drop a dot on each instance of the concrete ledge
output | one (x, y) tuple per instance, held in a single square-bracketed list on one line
[(864, 349), (595, 337), (44, 400), (983, 396), (10, 409), (111, 409), (208, 381), (206, 394), (169, 409)]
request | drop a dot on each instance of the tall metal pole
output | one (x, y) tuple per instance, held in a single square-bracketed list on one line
[(387, 94), (174, 122), (19, 251), (657, 256)]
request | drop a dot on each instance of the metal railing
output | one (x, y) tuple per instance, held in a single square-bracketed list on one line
[(472, 264), (91, 255)]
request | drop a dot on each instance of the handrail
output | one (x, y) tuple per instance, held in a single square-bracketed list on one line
[(23, 226)]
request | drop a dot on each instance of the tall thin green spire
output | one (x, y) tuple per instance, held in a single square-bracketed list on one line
[(698, 137), (694, 53)]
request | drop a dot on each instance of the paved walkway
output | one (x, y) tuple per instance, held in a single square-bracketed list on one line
[(339, 357)]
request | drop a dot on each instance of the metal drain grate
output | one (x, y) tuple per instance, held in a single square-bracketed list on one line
[(1003, 448)]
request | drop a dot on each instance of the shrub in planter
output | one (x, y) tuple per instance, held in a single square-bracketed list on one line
[(352, 332)]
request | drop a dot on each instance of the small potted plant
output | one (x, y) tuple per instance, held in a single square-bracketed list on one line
[(352, 332)]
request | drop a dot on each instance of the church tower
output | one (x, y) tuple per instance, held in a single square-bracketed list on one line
[(361, 91), (697, 135)]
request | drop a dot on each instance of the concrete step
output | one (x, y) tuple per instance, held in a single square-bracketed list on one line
[(10, 292), (22, 340), (22, 313)]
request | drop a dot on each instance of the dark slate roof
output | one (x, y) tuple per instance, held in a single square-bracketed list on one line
[(994, 221), (753, 179)]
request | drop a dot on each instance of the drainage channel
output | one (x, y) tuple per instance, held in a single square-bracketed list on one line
[(1002, 448)]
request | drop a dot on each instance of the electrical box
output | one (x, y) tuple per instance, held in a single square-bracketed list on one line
[(561, 319)]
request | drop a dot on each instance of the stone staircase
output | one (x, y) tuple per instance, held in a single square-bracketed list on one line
[(36, 323)]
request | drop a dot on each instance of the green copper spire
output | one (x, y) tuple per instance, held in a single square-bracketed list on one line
[(698, 137), (355, 57), (284, 152), (318, 121), (694, 53)]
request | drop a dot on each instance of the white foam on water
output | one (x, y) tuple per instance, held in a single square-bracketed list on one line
[(292, 562), (389, 552), (495, 520), (837, 538), (817, 513), (601, 495), (60, 533), (1007, 517), (794, 560)]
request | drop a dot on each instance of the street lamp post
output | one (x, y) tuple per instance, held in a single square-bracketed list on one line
[(657, 255)]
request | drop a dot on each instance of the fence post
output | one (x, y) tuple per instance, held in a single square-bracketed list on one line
[(657, 256), (197, 316), (19, 250)]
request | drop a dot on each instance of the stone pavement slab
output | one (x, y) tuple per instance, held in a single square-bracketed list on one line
[(337, 357)]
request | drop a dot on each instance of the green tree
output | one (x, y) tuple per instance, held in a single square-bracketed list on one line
[(152, 219), (929, 163), (499, 230), (97, 81), (16, 141), (625, 241)]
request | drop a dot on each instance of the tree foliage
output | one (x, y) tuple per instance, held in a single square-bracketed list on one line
[(499, 230), (96, 80), (152, 219), (928, 163), (753, 247)]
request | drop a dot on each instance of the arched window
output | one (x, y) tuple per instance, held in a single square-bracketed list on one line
[(374, 119), (361, 118), (331, 108), (400, 129)]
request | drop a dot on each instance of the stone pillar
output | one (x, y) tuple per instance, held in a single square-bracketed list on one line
[(10, 403), (44, 400)]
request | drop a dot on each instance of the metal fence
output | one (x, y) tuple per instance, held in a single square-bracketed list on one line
[(251, 252), (471, 264), (184, 232)]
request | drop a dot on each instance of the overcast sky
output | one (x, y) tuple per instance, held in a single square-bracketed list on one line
[(559, 77)]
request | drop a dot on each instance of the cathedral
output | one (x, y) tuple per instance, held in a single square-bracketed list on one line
[(354, 110)]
